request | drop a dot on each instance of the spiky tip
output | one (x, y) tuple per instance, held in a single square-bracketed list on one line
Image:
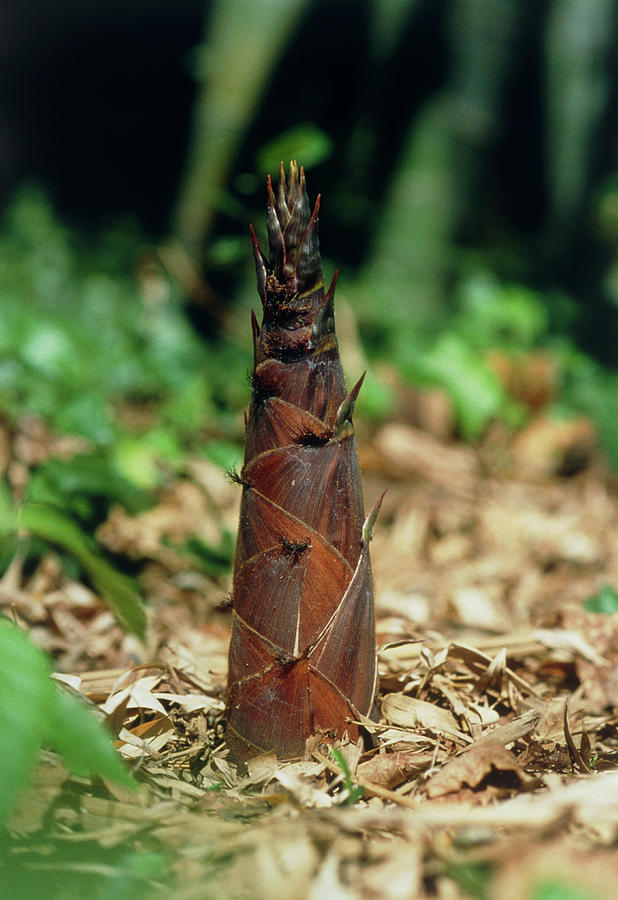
[(262, 266), (371, 519), (293, 230)]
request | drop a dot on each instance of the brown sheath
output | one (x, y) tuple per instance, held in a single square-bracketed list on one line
[(302, 656)]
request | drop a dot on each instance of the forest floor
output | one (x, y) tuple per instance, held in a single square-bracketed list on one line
[(494, 772)]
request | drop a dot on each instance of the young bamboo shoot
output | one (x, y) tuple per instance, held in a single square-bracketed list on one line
[(302, 659)]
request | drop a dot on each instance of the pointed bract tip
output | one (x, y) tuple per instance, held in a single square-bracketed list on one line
[(313, 221), (262, 266), (270, 193), (257, 250), (345, 411), (371, 519), (293, 230), (255, 327), (330, 293), (324, 322), (292, 184), (255, 331), (256, 246)]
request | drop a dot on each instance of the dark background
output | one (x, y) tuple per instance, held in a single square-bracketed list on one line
[(96, 104)]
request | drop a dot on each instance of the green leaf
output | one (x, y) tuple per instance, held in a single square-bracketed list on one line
[(472, 877), (118, 591), (142, 460), (26, 694), (594, 391), (215, 561), (496, 315), (8, 518), (561, 890), (354, 791), (461, 371), (81, 739), (76, 484), (34, 711), (307, 143), (604, 601)]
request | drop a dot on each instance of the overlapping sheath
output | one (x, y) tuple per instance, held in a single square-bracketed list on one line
[(302, 655)]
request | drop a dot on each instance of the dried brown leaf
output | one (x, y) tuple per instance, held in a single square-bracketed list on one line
[(408, 712), (475, 766), (392, 769)]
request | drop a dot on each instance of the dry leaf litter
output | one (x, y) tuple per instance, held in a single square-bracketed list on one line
[(497, 742)]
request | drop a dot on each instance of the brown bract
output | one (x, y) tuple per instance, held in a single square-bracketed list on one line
[(302, 655)]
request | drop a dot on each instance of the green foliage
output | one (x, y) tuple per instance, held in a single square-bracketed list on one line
[(25, 696), (35, 712), (591, 389), (473, 878), (305, 143), (560, 890), (88, 341), (418, 307), (89, 352), (72, 871), (224, 454), (213, 560), (476, 392), (487, 316), (493, 315), (354, 792), (375, 401), (604, 601), (118, 590), (78, 484)]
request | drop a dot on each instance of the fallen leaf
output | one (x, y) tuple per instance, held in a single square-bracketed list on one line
[(391, 769), (408, 712), (474, 766)]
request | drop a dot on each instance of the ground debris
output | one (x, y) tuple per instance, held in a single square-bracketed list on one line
[(496, 751)]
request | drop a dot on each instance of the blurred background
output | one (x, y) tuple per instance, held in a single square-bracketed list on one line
[(466, 153)]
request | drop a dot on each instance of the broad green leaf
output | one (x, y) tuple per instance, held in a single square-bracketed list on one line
[(34, 711), (81, 739), (118, 591), (306, 143), (26, 694)]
